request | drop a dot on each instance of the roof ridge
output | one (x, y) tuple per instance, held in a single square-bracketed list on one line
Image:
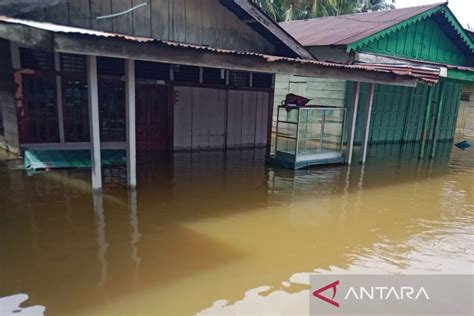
[(364, 13)]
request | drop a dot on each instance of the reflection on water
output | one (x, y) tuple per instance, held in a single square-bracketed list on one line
[(218, 232)]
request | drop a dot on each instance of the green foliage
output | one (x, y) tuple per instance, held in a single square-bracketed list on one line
[(288, 10)]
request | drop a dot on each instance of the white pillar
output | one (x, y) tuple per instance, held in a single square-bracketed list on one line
[(94, 122), (59, 97), (131, 125), (355, 105), (368, 115)]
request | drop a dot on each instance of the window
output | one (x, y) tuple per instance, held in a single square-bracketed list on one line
[(239, 79), (71, 63), (186, 73), (112, 110), (37, 60), (39, 120), (260, 80), (75, 97), (111, 99), (214, 76)]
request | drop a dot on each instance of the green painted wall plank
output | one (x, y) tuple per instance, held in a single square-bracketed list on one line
[(424, 40), (398, 112)]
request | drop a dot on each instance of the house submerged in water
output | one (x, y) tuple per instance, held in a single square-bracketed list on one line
[(425, 40), (205, 74)]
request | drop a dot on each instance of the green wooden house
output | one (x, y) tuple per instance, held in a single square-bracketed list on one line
[(426, 40)]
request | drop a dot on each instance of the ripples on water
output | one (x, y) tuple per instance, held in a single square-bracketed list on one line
[(219, 233)]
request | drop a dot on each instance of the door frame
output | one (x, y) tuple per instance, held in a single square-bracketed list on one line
[(169, 123)]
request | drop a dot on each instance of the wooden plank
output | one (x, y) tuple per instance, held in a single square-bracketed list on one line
[(218, 134), (101, 8), (234, 118), (178, 20), (438, 118), (80, 13), (141, 19), (198, 133), (160, 18), (209, 22), (262, 118), (426, 122), (114, 47), (248, 118), (193, 11), (182, 134), (58, 14), (123, 23), (211, 128)]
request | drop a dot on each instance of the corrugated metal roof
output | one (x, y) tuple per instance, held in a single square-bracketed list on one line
[(267, 58), (347, 29), (429, 74)]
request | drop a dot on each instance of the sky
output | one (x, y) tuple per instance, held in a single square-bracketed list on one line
[(462, 9)]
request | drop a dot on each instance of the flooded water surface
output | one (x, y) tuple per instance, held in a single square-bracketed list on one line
[(215, 233)]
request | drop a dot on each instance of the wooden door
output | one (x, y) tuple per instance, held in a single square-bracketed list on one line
[(152, 126)]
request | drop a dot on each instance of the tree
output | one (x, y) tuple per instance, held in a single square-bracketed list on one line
[(288, 10)]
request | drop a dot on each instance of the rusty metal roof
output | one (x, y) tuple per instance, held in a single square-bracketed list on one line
[(347, 29), (54, 28)]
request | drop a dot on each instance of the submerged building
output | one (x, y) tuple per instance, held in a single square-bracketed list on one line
[(97, 77), (425, 40)]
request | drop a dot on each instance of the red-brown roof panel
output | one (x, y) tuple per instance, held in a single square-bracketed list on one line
[(347, 29)]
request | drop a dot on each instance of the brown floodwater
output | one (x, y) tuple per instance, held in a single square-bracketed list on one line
[(216, 233)]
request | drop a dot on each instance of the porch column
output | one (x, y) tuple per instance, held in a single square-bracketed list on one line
[(426, 122), (368, 115), (59, 97), (94, 122), (438, 118), (355, 105), (131, 132)]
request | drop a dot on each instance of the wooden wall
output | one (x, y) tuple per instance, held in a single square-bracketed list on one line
[(9, 138), (203, 22), (208, 118), (423, 40), (398, 112)]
